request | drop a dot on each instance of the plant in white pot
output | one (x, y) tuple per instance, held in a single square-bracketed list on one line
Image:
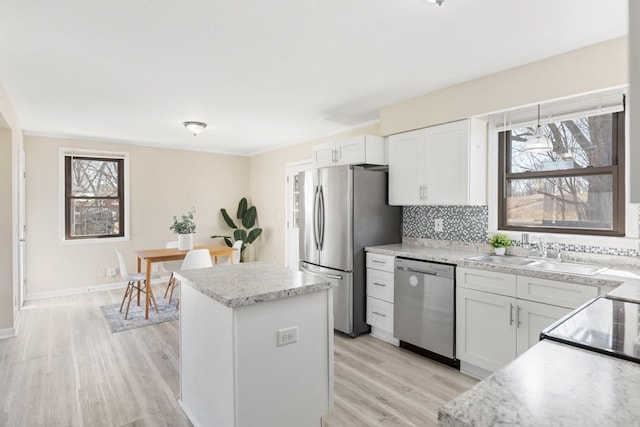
[(184, 228), (500, 242)]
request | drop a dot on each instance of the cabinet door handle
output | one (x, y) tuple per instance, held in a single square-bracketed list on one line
[(518, 317), (379, 314), (379, 284), (510, 314), (378, 261)]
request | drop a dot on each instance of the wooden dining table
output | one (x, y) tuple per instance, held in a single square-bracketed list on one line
[(172, 254)]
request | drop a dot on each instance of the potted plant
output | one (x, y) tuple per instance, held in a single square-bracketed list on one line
[(184, 228), (500, 242), (244, 230)]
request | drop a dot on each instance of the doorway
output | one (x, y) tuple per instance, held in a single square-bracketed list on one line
[(291, 239)]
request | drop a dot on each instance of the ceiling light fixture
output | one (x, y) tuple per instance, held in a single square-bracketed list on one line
[(538, 143), (438, 2), (195, 127)]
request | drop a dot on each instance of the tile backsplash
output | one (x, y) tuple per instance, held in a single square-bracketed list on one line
[(470, 224), (462, 223)]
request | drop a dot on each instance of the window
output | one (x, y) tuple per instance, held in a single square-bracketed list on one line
[(94, 197), (578, 188)]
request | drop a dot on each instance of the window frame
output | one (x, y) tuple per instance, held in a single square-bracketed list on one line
[(616, 171), (125, 234)]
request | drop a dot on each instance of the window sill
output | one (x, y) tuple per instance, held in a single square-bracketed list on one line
[(65, 242)]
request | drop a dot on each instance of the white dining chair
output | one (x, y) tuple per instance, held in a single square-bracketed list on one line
[(133, 279), (197, 258), (237, 247), (171, 267)]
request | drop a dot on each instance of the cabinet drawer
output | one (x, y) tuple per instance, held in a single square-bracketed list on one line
[(380, 284), (380, 262), (487, 281), (380, 314), (569, 295)]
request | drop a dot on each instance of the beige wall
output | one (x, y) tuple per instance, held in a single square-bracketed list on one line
[(595, 67), (267, 189), (6, 233), (162, 183)]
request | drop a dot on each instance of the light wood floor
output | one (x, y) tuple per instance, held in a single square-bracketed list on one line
[(66, 369)]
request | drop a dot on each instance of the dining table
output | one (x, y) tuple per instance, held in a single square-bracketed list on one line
[(150, 256)]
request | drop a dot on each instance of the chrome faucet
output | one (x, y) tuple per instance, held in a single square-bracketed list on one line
[(541, 247), (558, 248)]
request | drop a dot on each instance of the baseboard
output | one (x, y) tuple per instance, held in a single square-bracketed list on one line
[(82, 290), (12, 332)]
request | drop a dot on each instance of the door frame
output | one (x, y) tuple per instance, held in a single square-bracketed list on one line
[(290, 169), (22, 228)]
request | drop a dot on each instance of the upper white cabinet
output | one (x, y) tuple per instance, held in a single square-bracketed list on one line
[(439, 165), (362, 149)]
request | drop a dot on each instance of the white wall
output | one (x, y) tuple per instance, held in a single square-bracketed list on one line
[(162, 183)]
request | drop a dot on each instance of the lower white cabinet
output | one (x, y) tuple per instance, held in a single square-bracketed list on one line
[(532, 318), (485, 334), (380, 296), (495, 327)]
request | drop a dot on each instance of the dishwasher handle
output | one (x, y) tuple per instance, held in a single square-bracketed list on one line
[(431, 273)]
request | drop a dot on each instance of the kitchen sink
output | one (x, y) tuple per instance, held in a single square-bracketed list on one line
[(567, 267), (547, 265), (503, 259)]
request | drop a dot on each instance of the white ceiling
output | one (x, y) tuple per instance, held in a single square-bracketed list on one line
[(263, 74)]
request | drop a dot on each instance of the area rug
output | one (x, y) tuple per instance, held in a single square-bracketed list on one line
[(117, 323)]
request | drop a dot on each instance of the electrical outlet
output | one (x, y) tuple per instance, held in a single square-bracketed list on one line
[(154, 268), (438, 225), (287, 335), (111, 272)]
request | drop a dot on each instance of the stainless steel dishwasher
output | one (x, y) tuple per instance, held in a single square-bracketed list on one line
[(424, 309)]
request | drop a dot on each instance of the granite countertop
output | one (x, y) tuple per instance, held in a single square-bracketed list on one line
[(552, 384), (243, 284), (457, 255)]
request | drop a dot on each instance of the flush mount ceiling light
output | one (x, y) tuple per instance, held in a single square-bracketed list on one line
[(195, 127), (538, 143), (438, 2)]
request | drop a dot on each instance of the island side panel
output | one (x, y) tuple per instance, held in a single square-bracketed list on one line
[(290, 385), (206, 359)]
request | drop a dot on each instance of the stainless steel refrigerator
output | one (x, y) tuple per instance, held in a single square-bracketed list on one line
[(343, 209)]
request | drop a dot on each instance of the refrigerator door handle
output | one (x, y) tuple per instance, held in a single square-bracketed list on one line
[(321, 218), (316, 207), (326, 276)]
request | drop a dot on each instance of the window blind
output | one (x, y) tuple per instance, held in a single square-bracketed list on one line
[(605, 102)]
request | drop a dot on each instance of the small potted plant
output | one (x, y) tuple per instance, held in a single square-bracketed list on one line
[(500, 242), (184, 228)]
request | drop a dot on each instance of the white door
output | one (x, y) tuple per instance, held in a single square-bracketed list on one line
[(446, 160), (323, 154), (532, 318), (292, 231), (406, 168), (22, 281), (485, 329)]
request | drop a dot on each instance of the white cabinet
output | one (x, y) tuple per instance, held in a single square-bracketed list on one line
[(485, 335), (500, 316), (380, 296), (362, 149), (439, 165)]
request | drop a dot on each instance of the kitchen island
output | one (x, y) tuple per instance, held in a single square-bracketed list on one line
[(256, 346)]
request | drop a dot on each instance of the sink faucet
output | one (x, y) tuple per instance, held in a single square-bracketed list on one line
[(558, 250), (541, 247)]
